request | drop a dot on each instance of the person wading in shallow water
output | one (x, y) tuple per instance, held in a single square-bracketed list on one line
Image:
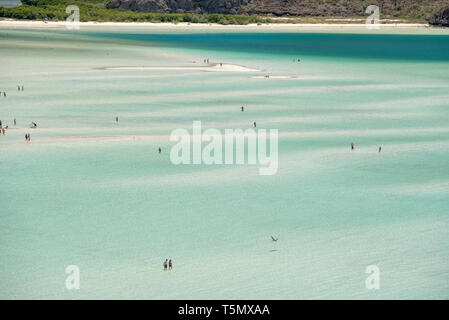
[(255, 125), (159, 150), (380, 149), (165, 264), (170, 265), (243, 109), (352, 146), (116, 119)]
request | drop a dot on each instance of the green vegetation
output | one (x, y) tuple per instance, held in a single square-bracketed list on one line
[(307, 11), (94, 10)]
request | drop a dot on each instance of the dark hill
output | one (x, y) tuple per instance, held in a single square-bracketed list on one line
[(332, 8)]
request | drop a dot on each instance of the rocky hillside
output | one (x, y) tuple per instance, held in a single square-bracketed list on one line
[(180, 6), (331, 8), (441, 18)]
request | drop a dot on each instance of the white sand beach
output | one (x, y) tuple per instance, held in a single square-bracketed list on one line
[(285, 27), (214, 67)]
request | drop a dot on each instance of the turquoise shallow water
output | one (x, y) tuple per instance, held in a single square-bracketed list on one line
[(96, 194)]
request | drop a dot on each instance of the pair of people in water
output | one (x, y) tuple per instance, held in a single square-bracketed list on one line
[(168, 264), (27, 137), (20, 88)]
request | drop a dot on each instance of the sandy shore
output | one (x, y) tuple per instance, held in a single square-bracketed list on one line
[(8, 23), (214, 67)]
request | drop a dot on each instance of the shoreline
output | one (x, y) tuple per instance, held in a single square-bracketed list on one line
[(186, 25)]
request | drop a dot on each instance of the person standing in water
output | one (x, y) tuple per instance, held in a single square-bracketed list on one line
[(170, 265), (255, 125), (380, 148), (18, 88), (15, 121), (165, 265), (243, 109), (352, 146), (159, 150), (116, 119)]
